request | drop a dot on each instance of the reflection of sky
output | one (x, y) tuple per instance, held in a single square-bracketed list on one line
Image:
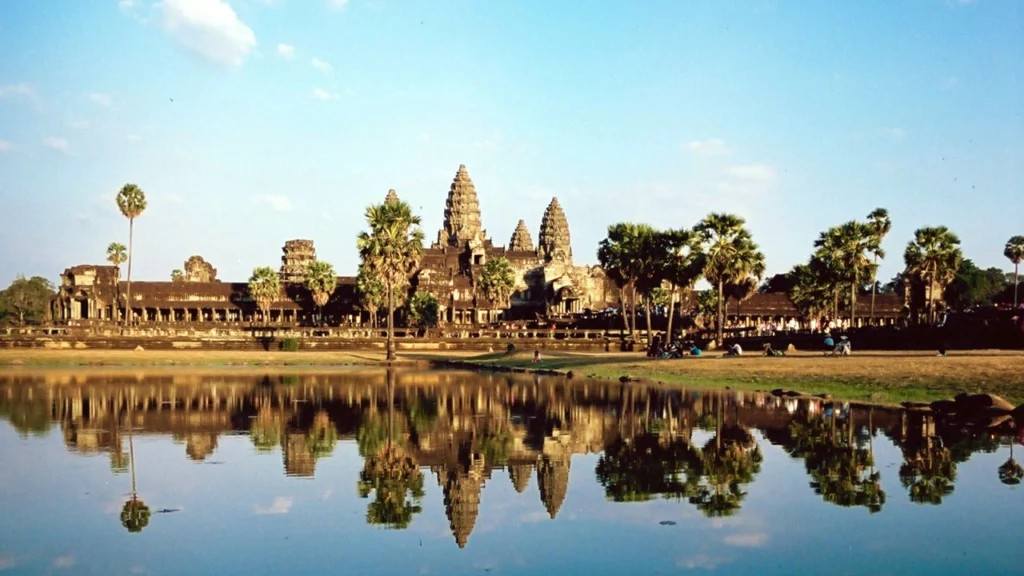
[(239, 514)]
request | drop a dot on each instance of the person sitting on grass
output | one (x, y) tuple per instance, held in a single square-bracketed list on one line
[(769, 351), (695, 350), (830, 344), (734, 350), (536, 356)]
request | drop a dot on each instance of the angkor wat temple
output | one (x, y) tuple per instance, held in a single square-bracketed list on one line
[(547, 280)]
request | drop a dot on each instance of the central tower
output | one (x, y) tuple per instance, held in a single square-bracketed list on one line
[(462, 226)]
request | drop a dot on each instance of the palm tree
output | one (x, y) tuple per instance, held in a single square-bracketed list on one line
[(811, 291), (730, 255), (497, 281), (177, 275), (934, 257), (1014, 250), (618, 255), (135, 514), (880, 225), (131, 201), (117, 255), (681, 265), (370, 292), (857, 240), (321, 282), (265, 289), (391, 250), (1011, 472)]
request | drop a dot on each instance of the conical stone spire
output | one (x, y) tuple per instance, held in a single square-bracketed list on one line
[(461, 213), (521, 241), (553, 243), (392, 197), (520, 476)]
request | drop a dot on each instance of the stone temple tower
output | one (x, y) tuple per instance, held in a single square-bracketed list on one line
[(297, 254), (553, 243), (461, 214), (521, 240)]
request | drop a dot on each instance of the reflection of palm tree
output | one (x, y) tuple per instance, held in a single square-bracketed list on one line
[(729, 461), (135, 514), (322, 436), (841, 471), (266, 429), (1011, 473), (390, 473), (928, 469), (635, 470)]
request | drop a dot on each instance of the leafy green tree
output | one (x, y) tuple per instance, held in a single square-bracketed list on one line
[(973, 286), (730, 255), (934, 257), (879, 225), (423, 310), (177, 275), (390, 251), (321, 281), (265, 289), (1014, 250), (811, 290), (497, 281), (131, 201), (370, 292), (26, 300)]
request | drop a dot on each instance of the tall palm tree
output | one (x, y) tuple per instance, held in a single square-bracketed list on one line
[(321, 282), (682, 263), (811, 291), (265, 289), (497, 281), (370, 291), (135, 514), (391, 250), (117, 255), (880, 225), (131, 201), (934, 256), (619, 254), (1011, 472), (829, 256), (857, 241), (1014, 250), (730, 255)]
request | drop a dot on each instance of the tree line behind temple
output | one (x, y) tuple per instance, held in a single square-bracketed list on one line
[(651, 267)]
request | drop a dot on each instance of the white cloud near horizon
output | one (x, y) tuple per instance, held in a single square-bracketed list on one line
[(59, 144), (281, 505), (100, 98), (321, 94), (210, 28), (20, 89), (752, 172), (278, 203), (713, 147), (322, 65), (5, 146), (286, 51)]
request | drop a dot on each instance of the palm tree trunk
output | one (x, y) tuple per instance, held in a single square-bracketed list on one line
[(131, 446), (622, 309), (931, 298), (874, 289), (671, 311), (853, 302), (632, 314), (391, 323), (128, 297), (720, 328), (1015, 284)]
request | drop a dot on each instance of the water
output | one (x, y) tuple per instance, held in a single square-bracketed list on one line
[(365, 472)]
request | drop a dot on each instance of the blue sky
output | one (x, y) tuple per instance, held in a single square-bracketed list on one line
[(289, 117)]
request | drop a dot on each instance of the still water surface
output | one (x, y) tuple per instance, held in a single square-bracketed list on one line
[(427, 472)]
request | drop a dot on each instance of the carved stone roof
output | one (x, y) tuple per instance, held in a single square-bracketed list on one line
[(461, 213), (553, 243), (521, 240), (199, 270), (297, 255), (392, 197)]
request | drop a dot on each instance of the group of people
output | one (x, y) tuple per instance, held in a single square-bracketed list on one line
[(673, 348)]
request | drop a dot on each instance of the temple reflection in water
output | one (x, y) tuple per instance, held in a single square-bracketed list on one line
[(700, 447)]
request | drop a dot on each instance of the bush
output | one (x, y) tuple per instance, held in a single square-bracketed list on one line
[(289, 344)]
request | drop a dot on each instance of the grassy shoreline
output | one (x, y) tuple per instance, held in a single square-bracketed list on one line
[(868, 376)]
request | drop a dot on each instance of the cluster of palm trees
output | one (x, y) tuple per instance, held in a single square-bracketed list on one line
[(642, 261)]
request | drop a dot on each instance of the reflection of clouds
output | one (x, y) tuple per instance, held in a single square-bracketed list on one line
[(752, 540), (531, 517), (281, 505), (66, 561), (138, 569), (700, 562), (6, 560)]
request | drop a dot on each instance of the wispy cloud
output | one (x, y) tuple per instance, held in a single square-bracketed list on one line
[(100, 98), (133, 138), (281, 505), (322, 65), (752, 540), (713, 147), (209, 28), (336, 4), (21, 89), (278, 203), (286, 51), (321, 94), (59, 144), (752, 173), (80, 124), (895, 133), (950, 83), (492, 142), (66, 561), (700, 562), (5, 146)]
